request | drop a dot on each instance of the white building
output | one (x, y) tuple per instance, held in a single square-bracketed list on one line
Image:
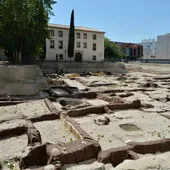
[(149, 48), (89, 44), (163, 47)]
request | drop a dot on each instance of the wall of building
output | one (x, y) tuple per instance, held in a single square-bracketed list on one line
[(130, 50), (163, 47), (149, 48), (149, 56), (87, 53), (73, 67), (161, 61)]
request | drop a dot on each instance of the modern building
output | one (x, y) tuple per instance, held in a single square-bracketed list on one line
[(162, 50), (130, 50), (163, 47), (149, 48), (89, 44)]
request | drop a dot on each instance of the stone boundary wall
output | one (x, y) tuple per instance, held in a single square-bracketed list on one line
[(116, 156), (103, 109), (158, 61), (48, 67), (21, 80), (74, 128)]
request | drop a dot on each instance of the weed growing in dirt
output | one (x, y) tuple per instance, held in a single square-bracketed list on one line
[(1, 166), (16, 159), (5, 163), (11, 166)]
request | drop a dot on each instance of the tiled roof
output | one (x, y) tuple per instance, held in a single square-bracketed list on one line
[(76, 28)]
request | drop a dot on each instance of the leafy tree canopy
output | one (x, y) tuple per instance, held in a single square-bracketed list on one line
[(112, 50), (24, 28)]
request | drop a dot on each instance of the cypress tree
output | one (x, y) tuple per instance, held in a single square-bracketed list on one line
[(71, 37)]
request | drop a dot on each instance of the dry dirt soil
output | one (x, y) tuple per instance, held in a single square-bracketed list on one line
[(149, 83)]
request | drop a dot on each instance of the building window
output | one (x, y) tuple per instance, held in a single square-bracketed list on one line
[(123, 51), (61, 57), (85, 35), (60, 33), (153, 56), (60, 44), (78, 35), (134, 52), (94, 58), (51, 33), (78, 45), (94, 37), (94, 46), (84, 45), (52, 44), (56, 57)]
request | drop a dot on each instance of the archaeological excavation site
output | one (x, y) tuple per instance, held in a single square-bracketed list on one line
[(85, 121)]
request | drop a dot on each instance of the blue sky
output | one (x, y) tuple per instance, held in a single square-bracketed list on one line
[(122, 20)]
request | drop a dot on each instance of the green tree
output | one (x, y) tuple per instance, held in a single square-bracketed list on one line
[(71, 37), (24, 28), (111, 50)]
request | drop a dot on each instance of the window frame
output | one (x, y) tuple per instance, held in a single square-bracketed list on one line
[(84, 46), (51, 33), (60, 31), (59, 44), (94, 49), (85, 36), (52, 47), (77, 44), (94, 57), (94, 37), (78, 33)]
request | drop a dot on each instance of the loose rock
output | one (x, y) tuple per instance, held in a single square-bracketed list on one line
[(102, 120)]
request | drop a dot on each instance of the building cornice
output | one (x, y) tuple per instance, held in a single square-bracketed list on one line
[(77, 28)]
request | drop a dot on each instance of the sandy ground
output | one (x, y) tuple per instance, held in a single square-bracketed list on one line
[(126, 125), (34, 108), (149, 67), (53, 131), (91, 164), (74, 84), (150, 162), (97, 102), (12, 124), (13, 116), (29, 109), (13, 147), (136, 125)]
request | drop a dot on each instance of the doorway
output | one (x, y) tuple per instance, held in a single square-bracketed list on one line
[(78, 57)]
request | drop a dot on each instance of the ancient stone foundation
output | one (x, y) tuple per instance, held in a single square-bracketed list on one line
[(84, 147)]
